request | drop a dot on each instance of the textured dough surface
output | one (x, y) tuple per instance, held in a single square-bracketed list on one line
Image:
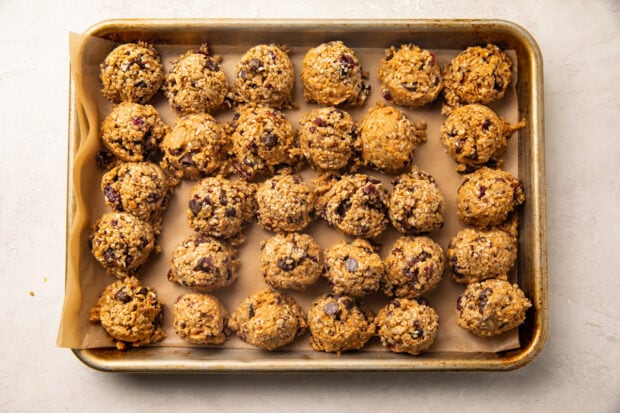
[(491, 307), (285, 204), (201, 319)]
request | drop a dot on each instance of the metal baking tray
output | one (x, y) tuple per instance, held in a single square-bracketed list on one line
[(437, 34)]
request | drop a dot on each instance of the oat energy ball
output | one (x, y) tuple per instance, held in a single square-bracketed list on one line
[(388, 139), (196, 147), (130, 313), (354, 204), (354, 269), (201, 319), (265, 75), (133, 132), (203, 264), (196, 83), (262, 140), (220, 208), (327, 137), (491, 307), (406, 326), (474, 135), (285, 204), (139, 188), (487, 196), (475, 255), (477, 75), (413, 266), (339, 323), (416, 205), (269, 320), (332, 75), (121, 243), (291, 261), (131, 73), (409, 76)]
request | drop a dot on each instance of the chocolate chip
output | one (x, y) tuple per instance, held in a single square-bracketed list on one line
[(143, 291), (109, 256), (499, 83), (369, 189), (195, 206), (205, 265), (287, 264), (230, 213), (113, 197), (459, 303), (411, 273), (187, 160), (387, 95), (483, 299), (212, 65), (351, 264), (395, 303), (319, 122), (486, 124), (417, 333), (347, 302), (330, 308), (250, 311), (128, 260), (422, 301), (105, 159), (254, 65), (122, 296), (411, 87), (343, 207), (269, 140)]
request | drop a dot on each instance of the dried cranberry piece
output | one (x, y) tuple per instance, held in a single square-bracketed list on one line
[(113, 196)]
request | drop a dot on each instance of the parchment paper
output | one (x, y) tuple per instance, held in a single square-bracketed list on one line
[(86, 278)]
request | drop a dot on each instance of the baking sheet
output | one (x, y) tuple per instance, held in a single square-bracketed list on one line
[(86, 279)]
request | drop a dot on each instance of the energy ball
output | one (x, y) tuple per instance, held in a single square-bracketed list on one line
[(388, 139), (356, 205), (332, 75), (354, 269), (201, 319), (133, 132), (475, 255), (413, 266), (291, 261), (196, 83), (409, 76), (220, 208), (477, 75), (285, 204), (340, 323), (139, 188), (416, 205), (487, 196), (131, 73), (262, 140), (196, 147), (327, 138), (265, 75), (130, 313), (269, 320), (491, 307), (406, 326), (474, 136), (121, 243), (203, 264)]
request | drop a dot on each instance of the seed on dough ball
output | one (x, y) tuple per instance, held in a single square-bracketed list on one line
[(132, 72)]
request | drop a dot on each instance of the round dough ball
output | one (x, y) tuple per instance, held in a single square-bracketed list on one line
[(121, 243), (291, 261), (201, 319), (416, 205), (262, 140), (487, 196), (388, 139), (203, 264), (354, 269), (131, 73), (491, 307), (406, 326), (477, 75), (413, 266), (409, 76), (285, 204), (265, 75), (474, 135), (133, 132), (332, 75), (196, 83), (196, 147), (130, 313), (475, 255), (269, 320), (139, 188), (356, 205), (220, 208), (327, 138), (340, 323)]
